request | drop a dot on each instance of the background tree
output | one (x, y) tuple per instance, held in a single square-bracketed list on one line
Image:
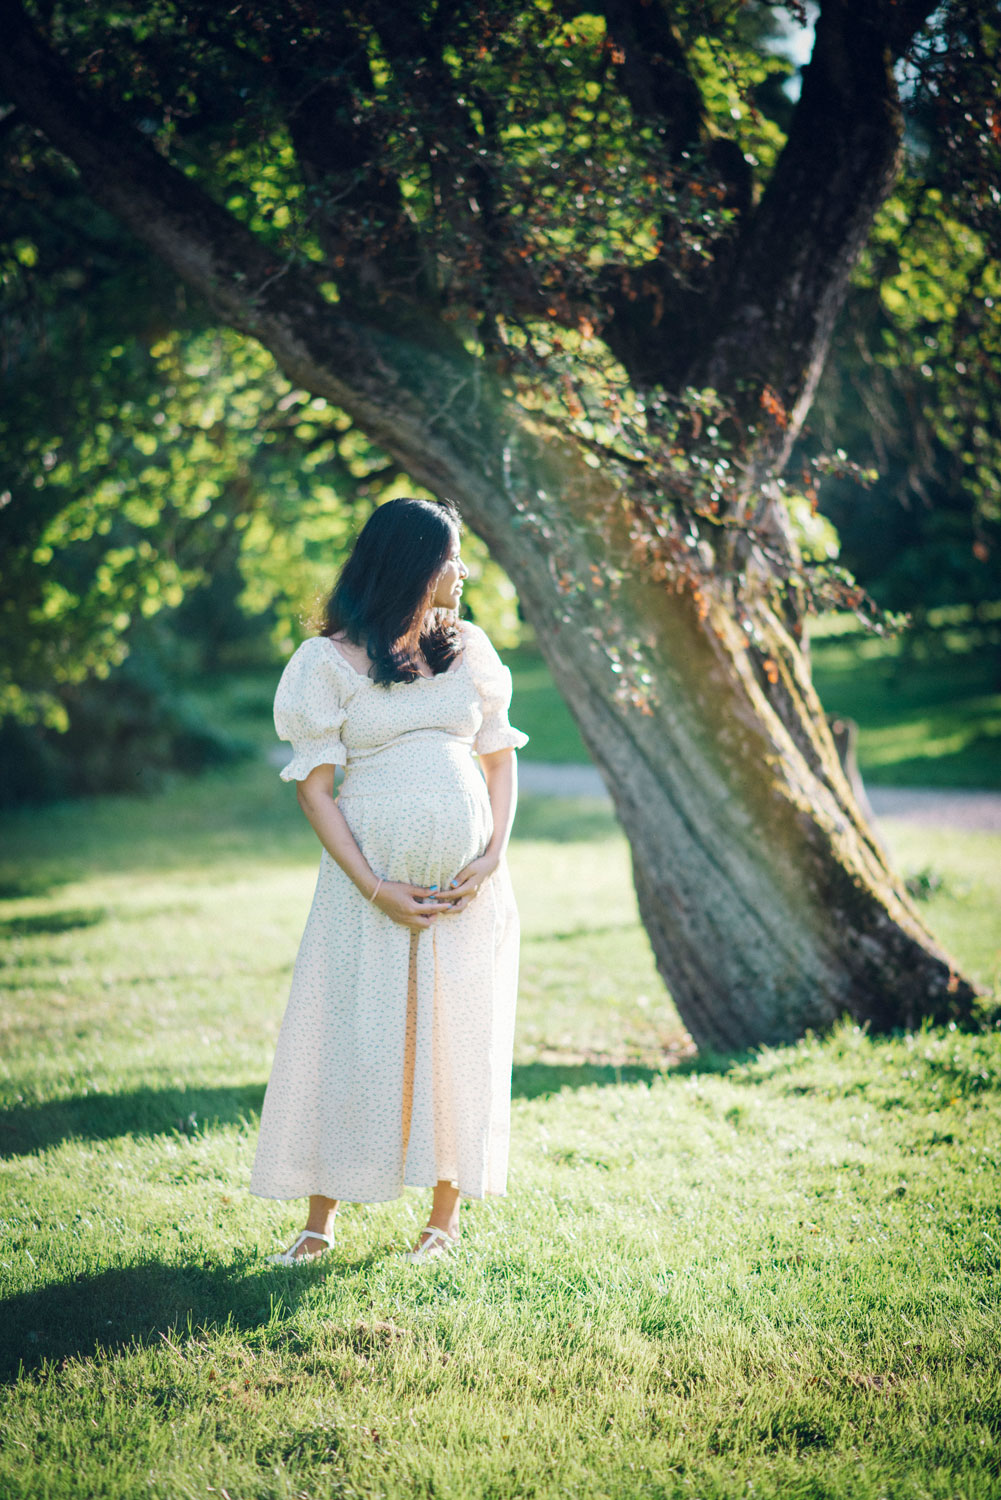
[(148, 455), (912, 386), (563, 268)]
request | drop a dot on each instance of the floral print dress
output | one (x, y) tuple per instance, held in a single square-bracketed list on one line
[(393, 1063)]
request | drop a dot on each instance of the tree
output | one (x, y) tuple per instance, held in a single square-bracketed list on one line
[(161, 455), (911, 390), (560, 267)]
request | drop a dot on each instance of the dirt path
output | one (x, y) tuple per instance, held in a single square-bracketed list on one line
[(976, 812), (934, 808)]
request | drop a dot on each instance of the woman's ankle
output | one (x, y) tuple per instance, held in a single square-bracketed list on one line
[(321, 1216), (449, 1224), (445, 1204)]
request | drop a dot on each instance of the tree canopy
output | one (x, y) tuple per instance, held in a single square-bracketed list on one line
[(580, 269), (559, 186)]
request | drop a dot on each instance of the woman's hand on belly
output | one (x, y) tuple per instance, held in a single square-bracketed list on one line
[(410, 905), (468, 881)]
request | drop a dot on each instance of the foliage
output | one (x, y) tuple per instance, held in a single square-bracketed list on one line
[(551, 190), (171, 456), (913, 387), (127, 733)]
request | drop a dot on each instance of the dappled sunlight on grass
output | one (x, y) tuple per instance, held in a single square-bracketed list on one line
[(921, 723)]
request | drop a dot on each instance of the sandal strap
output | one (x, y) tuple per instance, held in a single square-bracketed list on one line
[(311, 1234), (434, 1233)]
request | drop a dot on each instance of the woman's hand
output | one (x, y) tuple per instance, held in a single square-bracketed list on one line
[(411, 905), (468, 881)]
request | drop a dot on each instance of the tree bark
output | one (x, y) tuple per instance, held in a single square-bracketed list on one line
[(787, 281), (768, 901)]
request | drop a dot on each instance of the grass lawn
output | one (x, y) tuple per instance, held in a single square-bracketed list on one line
[(777, 1278), (934, 720)]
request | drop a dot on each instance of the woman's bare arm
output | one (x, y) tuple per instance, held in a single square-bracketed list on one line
[(500, 771)]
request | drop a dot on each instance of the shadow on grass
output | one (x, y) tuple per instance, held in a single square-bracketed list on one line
[(19, 884), (47, 923), (139, 1306), (974, 767), (193, 1112), (142, 1112), (536, 1079)]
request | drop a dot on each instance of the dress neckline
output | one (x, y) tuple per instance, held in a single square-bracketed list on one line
[(455, 666)]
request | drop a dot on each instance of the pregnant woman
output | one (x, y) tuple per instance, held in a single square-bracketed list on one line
[(393, 1064)]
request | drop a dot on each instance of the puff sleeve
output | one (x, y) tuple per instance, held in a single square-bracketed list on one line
[(493, 685), (309, 710)]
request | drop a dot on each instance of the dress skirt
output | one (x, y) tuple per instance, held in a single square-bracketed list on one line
[(393, 1064)]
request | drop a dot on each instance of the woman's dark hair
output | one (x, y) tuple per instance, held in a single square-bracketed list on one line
[(382, 599)]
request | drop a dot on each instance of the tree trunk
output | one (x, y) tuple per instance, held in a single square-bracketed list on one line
[(768, 900)]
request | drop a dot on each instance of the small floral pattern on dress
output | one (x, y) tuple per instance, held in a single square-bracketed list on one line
[(393, 1063)]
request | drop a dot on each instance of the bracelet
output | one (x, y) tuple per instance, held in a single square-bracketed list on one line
[(377, 889)]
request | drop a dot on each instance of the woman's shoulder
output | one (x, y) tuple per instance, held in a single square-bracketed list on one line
[(321, 652), (311, 704), (474, 638), (480, 652), (313, 647), (355, 658), (317, 664)]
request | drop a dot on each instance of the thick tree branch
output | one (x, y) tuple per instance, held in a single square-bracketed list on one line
[(654, 72), (205, 244), (244, 281), (772, 300), (784, 290)]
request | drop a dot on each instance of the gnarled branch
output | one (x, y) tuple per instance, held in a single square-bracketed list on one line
[(840, 160)]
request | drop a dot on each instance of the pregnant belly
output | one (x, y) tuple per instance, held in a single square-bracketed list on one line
[(418, 812)]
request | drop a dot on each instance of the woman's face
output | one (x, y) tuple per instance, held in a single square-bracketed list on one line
[(448, 584)]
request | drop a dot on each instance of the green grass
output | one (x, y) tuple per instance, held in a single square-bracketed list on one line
[(933, 719), (777, 1278), (541, 712), (929, 721)]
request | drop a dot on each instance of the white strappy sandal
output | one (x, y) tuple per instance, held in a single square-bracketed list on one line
[(439, 1242), (289, 1258)]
